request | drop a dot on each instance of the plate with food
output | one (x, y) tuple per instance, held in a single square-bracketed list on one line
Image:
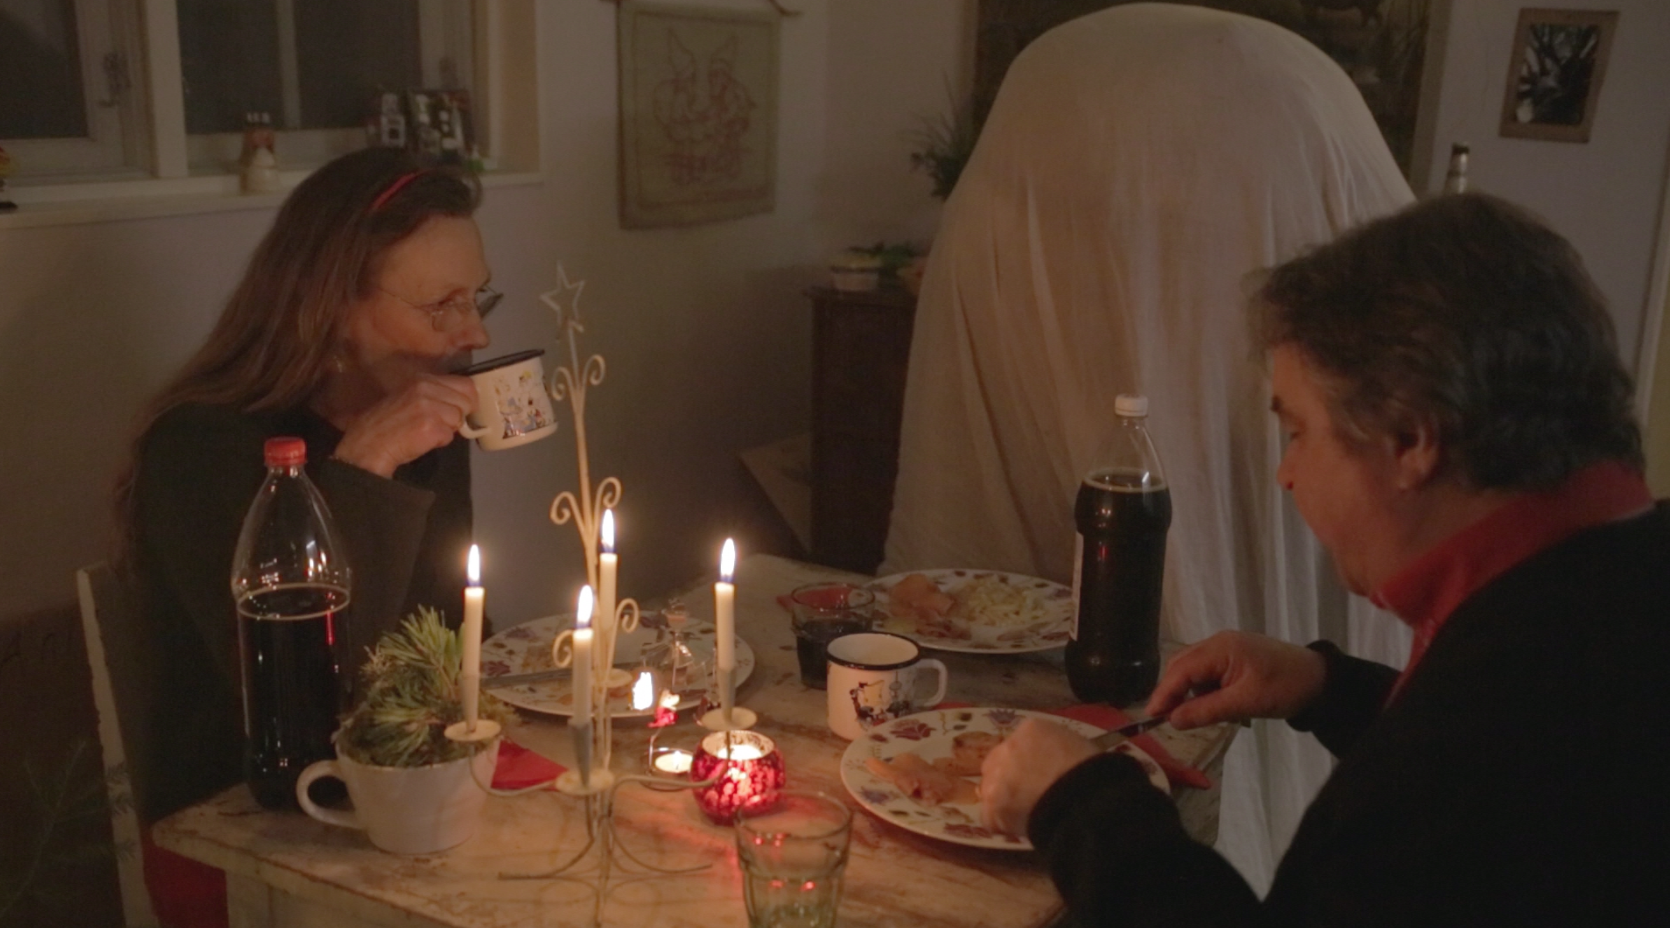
[(526, 648), (980, 611), (922, 772)]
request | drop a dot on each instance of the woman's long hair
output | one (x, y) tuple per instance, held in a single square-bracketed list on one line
[(276, 340)]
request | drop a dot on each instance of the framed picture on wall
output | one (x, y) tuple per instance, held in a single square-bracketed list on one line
[(698, 114), (1555, 72)]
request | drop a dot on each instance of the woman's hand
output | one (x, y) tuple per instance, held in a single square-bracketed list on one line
[(1240, 676), (1018, 771), (405, 426)]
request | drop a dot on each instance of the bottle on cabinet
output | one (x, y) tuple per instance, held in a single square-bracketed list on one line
[(1455, 179)]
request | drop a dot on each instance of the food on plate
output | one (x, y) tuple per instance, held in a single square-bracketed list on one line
[(994, 601), (922, 781), (918, 596), (538, 659), (968, 753), (918, 599), (990, 601), (941, 781)]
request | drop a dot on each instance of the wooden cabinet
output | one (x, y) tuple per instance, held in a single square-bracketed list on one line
[(860, 351)]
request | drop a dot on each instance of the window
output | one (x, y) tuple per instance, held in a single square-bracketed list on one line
[(75, 104), (314, 66), (67, 101)]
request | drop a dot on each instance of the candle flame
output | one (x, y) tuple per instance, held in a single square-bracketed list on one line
[(674, 761), (727, 561), (643, 692), (608, 531), (582, 612), (741, 752), (475, 566)]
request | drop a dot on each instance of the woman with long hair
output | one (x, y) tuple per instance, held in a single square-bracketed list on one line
[(356, 310)]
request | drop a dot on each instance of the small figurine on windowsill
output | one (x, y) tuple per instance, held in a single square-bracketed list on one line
[(6, 205)]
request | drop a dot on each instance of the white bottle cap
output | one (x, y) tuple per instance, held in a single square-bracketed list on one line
[(1131, 406)]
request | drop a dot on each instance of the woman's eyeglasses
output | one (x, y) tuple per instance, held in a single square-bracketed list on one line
[(452, 314)]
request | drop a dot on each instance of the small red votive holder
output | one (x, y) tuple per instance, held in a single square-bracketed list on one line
[(748, 769)]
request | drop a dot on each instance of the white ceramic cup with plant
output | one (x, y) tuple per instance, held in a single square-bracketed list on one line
[(414, 790)]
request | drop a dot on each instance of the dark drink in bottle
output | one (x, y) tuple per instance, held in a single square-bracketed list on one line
[(292, 589), (1122, 513)]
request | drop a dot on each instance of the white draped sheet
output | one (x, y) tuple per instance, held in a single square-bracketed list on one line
[(1137, 166)]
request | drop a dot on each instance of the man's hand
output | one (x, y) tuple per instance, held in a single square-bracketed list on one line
[(1240, 676), (1018, 771)]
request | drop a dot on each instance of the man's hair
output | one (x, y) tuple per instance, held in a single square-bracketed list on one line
[(1467, 315)]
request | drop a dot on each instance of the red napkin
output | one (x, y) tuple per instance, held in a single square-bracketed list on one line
[(519, 767), (1179, 773)]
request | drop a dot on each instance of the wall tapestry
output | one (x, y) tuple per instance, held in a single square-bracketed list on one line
[(698, 114)]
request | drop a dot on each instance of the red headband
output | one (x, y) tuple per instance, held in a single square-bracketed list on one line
[(395, 188)]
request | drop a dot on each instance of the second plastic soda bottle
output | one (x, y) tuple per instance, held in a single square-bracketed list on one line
[(291, 585), (1122, 512)]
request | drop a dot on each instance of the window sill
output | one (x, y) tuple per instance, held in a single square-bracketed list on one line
[(75, 204)]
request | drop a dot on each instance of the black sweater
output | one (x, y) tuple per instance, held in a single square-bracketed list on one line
[(1521, 777), (198, 473)]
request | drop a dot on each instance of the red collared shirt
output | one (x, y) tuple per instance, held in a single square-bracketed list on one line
[(1426, 592)]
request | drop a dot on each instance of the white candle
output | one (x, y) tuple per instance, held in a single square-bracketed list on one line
[(608, 563), (724, 607), (673, 760), (475, 595), (724, 622), (582, 659)]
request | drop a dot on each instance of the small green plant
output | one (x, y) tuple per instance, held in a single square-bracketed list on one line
[(412, 693), (892, 256), (944, 144)]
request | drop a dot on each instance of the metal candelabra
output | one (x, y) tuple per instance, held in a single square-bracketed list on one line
[(592, 780)]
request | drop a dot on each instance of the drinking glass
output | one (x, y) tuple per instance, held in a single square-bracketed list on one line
[(822, 613), (793, 853)]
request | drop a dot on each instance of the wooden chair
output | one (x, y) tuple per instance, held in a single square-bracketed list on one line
[(114, 649)]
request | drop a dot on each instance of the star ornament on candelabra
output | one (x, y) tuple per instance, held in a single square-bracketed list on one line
[(590, 508)]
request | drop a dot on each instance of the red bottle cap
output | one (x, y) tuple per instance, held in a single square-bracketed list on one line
[(285, 451)]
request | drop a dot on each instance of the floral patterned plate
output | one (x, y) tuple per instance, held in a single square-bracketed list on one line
[(1042, 622), (929, 734), (526, 648)]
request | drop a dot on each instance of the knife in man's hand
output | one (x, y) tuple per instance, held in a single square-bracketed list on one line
[(1110, 738)]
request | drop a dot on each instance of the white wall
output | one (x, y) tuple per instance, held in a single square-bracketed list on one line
[(704, 328), (1604, 195)]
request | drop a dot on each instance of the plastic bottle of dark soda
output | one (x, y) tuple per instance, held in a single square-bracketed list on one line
[(291, 585), (1122, 513)]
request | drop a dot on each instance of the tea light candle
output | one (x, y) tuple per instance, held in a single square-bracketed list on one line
[(474, 597), (675, 761), (746, 769), (724, 612)]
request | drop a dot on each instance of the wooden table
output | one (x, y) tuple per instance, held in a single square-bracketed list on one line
[(286, 869)]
